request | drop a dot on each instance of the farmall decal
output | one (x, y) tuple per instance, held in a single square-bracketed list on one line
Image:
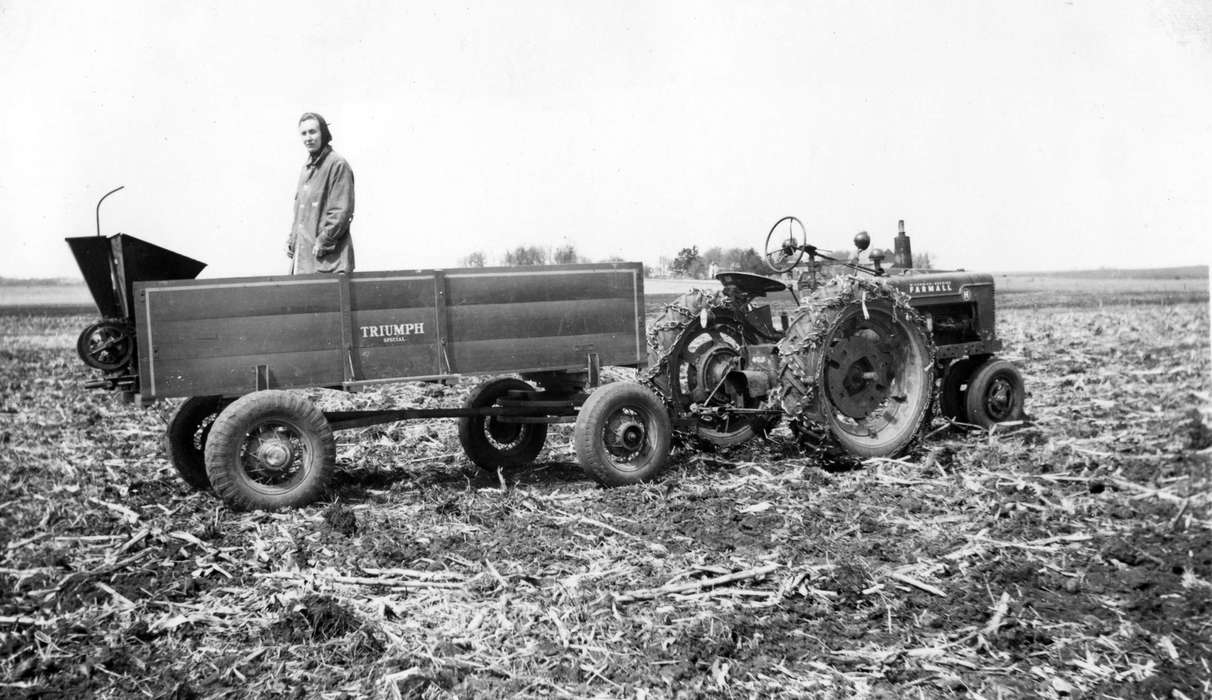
[(916, 288), (391, 332)]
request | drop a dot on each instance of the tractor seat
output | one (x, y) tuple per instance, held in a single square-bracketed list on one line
[(751, 284)]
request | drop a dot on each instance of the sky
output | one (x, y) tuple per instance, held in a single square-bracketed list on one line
[(1009, 136)]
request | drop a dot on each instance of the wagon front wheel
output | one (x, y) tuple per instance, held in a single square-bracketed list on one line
[(622, 434), (270, 450)]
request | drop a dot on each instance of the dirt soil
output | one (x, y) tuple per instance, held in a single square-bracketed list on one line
[(1069, 556)]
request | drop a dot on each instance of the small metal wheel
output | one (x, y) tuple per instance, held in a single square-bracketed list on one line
[(995, 394), (490, 442), (187, 434), (784, 244), (269, 450), (105, 345), (622, 434)]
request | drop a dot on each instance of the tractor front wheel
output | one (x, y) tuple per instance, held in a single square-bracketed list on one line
[(951, 394), (995, 394), (270, 450), (622, 434)]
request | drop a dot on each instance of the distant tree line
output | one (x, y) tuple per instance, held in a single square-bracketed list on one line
[(689, 262), (533, 255)]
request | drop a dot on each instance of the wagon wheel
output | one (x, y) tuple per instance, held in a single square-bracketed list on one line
[(105, 345), (859, 361), (622, 434), (269, 450), (187, 434), (995, 394), (784, 244), (490, 442)]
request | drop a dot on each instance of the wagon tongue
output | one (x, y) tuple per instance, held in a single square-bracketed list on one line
[(112, 265)]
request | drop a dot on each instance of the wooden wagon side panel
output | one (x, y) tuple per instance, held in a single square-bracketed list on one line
[(394, 326), (233, 336), (520, 319), (210, 338)]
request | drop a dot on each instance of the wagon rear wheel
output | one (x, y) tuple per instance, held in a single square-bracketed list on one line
[(188, 432), (269, 450), (622, 434), (490, 442)]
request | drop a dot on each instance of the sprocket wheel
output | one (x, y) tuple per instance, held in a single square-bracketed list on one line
[(858, 361), (106, 345)]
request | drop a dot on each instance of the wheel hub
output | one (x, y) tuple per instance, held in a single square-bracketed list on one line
[(628, 433), (858, 373), (999, 398), (715, 365), (275, 454)]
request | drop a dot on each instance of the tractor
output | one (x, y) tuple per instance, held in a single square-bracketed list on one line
[(859, 366)]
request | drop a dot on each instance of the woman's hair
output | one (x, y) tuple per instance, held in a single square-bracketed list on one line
[(325, 134)]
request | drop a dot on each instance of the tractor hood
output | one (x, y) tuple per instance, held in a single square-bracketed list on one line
[(941, 287), (113, 264)]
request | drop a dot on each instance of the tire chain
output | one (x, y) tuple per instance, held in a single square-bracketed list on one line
[(663, 337), (806, 333)]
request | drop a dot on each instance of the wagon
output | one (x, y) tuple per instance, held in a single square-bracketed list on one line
[(235, 349)]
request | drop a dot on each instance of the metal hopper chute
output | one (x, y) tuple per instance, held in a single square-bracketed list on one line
[(111, 265)]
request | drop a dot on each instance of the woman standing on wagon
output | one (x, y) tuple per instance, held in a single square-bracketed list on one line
[(324, 205)]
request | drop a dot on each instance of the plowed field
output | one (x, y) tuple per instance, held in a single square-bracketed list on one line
[(1069, 556)]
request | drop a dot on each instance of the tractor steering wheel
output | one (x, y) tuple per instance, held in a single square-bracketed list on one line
[(784, 247)]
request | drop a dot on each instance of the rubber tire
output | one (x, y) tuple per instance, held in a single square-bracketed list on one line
[(981, 382), (905, 439), (188, 459), (476, 445), (588, 439), (802, 351), (951, 393), (227, 436)]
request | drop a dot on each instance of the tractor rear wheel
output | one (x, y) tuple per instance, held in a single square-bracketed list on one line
[(995, 394), (270, 450), (490, 442), (187, 434), (622, 434), (692, 347), (858, 361)]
